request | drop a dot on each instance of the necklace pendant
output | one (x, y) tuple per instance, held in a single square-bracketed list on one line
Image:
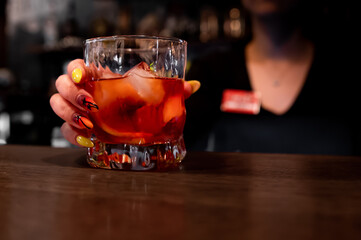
[(276, 83)]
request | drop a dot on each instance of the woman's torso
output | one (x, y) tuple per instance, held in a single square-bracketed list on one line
[(320, 121)]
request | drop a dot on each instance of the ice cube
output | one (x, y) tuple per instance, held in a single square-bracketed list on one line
[(107, 74), (141, 69), (144, 81)]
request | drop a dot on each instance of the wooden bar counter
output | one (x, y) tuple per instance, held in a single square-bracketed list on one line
[(51, 193)]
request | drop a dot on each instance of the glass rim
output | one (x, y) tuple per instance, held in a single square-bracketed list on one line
[(135, 37)]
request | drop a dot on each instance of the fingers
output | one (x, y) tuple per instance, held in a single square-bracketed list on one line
[(69, 113), (77, 71), (76, 136), (74, 94), (191, 87)]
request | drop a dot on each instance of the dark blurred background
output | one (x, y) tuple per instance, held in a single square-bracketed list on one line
[(39, 37)]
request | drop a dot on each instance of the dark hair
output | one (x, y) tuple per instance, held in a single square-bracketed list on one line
[(316, 19)]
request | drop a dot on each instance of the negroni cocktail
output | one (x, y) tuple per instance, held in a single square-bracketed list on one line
[(141, 114)]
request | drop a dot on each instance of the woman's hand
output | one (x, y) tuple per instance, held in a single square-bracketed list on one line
[(72, 102)]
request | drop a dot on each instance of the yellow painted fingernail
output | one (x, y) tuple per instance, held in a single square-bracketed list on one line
[(85, 142), (195, 85), (76, 75)]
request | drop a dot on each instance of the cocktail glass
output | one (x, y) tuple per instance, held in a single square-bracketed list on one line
[(137, 83)]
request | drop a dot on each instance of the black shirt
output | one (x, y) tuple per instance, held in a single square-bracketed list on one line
[(322, 120)]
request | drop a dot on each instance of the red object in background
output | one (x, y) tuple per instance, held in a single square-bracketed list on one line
[(240, 101)]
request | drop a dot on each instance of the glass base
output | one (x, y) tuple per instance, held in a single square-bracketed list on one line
[(158, 157)]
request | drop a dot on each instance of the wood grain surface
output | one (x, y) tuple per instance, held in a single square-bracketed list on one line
[(51, 193)]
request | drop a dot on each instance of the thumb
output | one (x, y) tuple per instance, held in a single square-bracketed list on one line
[(191, 87)]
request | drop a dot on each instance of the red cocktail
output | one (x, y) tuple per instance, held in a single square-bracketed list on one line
[(140, 120)]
